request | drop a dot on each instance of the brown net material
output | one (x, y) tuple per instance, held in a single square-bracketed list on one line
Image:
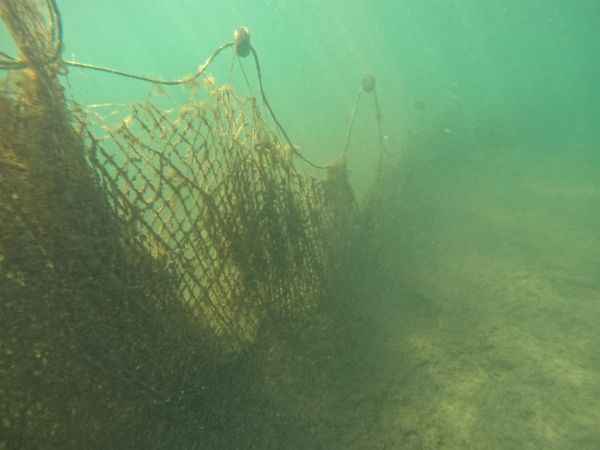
[(214, 194), (141, 264)]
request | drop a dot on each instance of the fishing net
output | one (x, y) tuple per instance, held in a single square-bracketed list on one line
[(142, 263)]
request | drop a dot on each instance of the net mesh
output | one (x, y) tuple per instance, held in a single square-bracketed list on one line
[(140, 264), (215, 195)]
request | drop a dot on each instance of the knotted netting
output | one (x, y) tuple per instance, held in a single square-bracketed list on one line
[(140, 260)]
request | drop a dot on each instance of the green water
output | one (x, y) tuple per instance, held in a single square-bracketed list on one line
[(477, 73), (487, 316)]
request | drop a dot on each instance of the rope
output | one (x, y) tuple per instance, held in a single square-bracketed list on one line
[(368, 85), (185, 80), (274, 117), (347, 146), (241, 42)]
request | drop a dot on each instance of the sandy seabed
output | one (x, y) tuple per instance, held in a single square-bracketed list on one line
[(488, 331)]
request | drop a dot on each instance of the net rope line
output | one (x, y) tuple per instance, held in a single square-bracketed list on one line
[(241, 42), (368, 86)]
